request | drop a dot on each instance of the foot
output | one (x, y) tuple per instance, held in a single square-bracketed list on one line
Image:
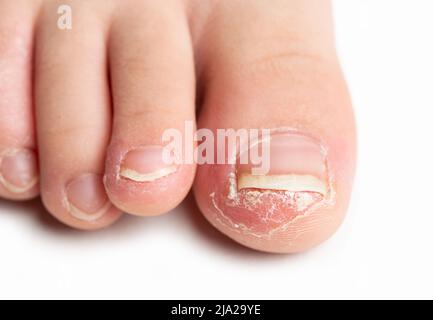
[(105, 92)]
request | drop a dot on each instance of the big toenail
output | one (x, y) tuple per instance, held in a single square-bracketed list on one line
[(86, 198), (297, 163), (18, 170), (146, 165), (297, 182)]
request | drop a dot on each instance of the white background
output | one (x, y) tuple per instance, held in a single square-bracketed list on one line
[(383, 250)]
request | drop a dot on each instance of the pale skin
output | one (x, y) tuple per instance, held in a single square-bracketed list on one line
[(73, 103)]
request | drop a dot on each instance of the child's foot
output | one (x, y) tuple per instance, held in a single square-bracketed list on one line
[(104, 92)]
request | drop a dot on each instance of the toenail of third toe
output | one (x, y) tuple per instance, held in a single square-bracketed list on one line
[(86, 198), (18, 170)]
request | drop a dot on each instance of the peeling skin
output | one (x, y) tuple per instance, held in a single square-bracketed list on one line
[(285, 209), (262, 213)]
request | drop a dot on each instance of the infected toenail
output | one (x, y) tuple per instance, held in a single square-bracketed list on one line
[(86, 198), (18, 170), (297, 163), (288, 182), (296, 182), (146, 165)]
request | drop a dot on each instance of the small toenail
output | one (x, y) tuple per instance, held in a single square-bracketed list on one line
[(145, 165), (86, 198), (18, 170), (297, 163)]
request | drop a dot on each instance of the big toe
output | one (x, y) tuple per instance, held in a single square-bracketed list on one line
[(295, 89)]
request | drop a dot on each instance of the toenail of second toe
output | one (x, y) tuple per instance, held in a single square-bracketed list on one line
[(146, 165)]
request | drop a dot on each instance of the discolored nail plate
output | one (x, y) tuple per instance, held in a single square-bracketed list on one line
[(145, 165)]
